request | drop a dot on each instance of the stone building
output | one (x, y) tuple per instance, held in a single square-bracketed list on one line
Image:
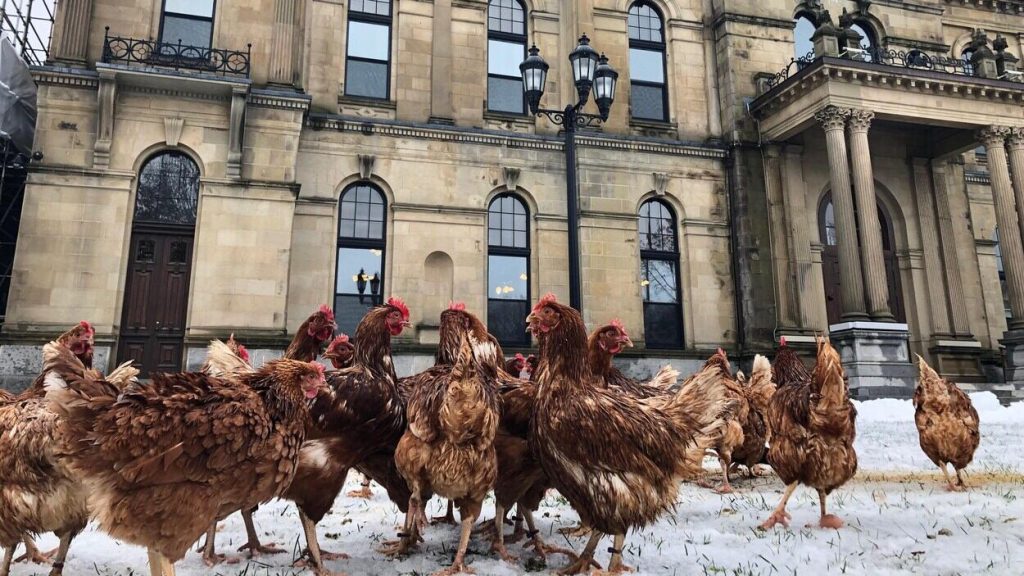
[(215, 167)]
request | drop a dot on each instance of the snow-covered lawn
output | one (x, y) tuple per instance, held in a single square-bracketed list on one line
[(899, 521)]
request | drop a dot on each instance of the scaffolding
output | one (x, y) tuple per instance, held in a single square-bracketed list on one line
[(28, 24)]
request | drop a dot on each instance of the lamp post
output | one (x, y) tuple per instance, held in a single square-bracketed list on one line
[(588, 71)]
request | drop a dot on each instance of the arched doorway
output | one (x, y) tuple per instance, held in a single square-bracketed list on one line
[(830, 262), (160, 263)]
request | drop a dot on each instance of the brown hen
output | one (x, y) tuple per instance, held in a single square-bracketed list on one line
[(758, 391), (947, 423), (813, 424), (162, 460), (617, 459), (608, 341)]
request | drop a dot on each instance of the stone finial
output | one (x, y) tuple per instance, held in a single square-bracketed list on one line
[(661, 183), (1006, 63), (172, 130), (862, 7), (366, 165), (993, 136), (832, 118), (983, 60), (826, 35), (860, 120), (511, 177)]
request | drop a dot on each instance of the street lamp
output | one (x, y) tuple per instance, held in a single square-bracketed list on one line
[(589, 71)]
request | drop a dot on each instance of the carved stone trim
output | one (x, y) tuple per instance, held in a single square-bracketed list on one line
[(661, 181), (172, 130), (993, 136), (832, 118), (278, 101), (65, 77), (366, 162), (860, 120), (1016, 138), (107, 99), (511, 177), (236, 127)]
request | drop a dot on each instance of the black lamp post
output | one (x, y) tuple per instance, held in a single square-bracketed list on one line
[(588, 71)]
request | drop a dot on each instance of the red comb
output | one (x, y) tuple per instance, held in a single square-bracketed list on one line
[(520, 357), (338, 340), (782, 341), (457, 305), (618, 325), (319, 368), (87, 327), (243, 353), (548, 298), (327, 312), (396, 302)]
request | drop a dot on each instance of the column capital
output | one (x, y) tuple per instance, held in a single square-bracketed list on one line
[(993, 136), (832, 118), (1016, 138), (860, 120)]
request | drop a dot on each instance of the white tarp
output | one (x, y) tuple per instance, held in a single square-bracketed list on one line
[(17, 98)]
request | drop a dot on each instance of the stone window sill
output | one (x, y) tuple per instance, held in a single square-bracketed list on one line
[(654, 127), (368, 102)]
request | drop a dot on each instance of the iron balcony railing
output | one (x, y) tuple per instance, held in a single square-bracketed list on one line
[(913, 59), (175, 55)]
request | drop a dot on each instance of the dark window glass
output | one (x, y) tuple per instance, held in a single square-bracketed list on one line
[(145, 251), (359, 284), (506, 49), (647, 90), (659, 276), (368, 56), (187, 21), (168, 190), (508, 270), (179, 253)]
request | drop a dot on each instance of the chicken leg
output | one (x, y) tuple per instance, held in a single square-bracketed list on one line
[(960, 480), (316, 556), (62, 553), (498, 542), (415, 520), (159, 565), (469, 513), (5, 566), (253, 545), (780, 516), (540, 547), (615, 564), (828, 520), (586, 559), (448, 518), (210, 556), (949, 481), (33, 555), (725, 460)]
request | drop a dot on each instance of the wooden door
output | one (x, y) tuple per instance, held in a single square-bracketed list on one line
[(830, 274), (156, 297)]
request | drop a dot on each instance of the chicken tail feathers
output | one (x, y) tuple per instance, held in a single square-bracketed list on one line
[(123, 375), (703, 408), (760, 387), (831, 411), (665, 378), (222, 361)]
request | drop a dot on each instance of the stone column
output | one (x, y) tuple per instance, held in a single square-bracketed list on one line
[(867, 217), (71, 31), (951, 264), (994, 138), (934, 285), (1016, 147), (784, 280), (833, 121), (282, 56)]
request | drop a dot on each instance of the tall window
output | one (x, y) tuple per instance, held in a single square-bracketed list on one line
[(659, 276), (506, 49), (187, 21), (367, 65), (508, 270), (647, 94), (802, 32), (361, 242), (168, 190)]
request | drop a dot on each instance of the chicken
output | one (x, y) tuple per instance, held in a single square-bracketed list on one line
[(448, 447), (758, 391), (79, 339), (609, 340), (162, 460), (521, 366), (733, 442), (340, 352), (358, 420), (813, 424), (311, 336), (615, 458), (947, 423)]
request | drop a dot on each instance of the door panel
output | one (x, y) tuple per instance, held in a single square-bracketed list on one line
[(830, 274), (156, 299)]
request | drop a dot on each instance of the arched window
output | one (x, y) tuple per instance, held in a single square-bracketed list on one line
[(168, 190), (508, 269), (802, 32), (368, 59), (187, 21), (506, 49), (659, 276), (867, 41), (648, 96), (966, 56), (359, 285)]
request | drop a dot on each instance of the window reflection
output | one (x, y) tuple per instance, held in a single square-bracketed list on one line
[(506, 49), (168, 191), (368, 56), (187, 21), (659, 276), (648, 95), (508, 270), (359, 284), (507, 278)]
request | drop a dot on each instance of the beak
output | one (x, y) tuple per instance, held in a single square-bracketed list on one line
[(627, 342), (406, 324), (529, 321)]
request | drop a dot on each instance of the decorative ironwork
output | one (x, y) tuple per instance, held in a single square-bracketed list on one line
[(175, 55), (795, 65), (577, 119)]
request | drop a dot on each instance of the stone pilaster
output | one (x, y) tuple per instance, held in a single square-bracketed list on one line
[(833, 121), (951, 264), (994, 138), (282, 56), (441, 108), (71, 31), (867, 216), (1015, 145), (935, 285), (784, 285)]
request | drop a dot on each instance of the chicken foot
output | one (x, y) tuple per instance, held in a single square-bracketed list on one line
[(253, 545), (950, 486), (960, 480), (469, 513), (448, 518), (498, 542), (780, 516), (364, 491), (415, 522), (540, 547), (33, 555), (578, 531), (725, 460), (62, 553), (586, 559), (5, 566), (828, 520), (616, 565), (315, 556), (210, 556), (159, 565)]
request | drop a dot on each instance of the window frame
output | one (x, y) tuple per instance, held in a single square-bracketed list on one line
[(361, 243), (510, 38), (163, 17), (674, 256), (660, 47), (378, 19), (522, 252), (150, 224)]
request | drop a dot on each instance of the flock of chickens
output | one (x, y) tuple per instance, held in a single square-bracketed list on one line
[(158, 463)]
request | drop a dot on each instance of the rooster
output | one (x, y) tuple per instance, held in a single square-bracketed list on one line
[(813, 424), (38, 493), (358, 420), (615, 458), (449, 444), (947, 423), (611, 339), (163, 460)]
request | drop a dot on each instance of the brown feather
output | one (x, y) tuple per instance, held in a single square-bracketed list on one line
[(947, 423)]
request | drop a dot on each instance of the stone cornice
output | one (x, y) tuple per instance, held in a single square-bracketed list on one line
[(728, 17), (136, 89), (1010, 6), (526, 141), (910, 6), (61, 76), (279, 100), (937, 47)]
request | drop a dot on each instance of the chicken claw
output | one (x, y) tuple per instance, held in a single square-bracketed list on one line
[(33, 555), (212, 560), (777, 517), (575, 531), (499, 549), (580, 566), (257, 550), (725, 489), (831, 521), (456, 568)]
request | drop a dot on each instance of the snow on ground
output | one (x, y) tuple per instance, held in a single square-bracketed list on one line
[(899, 521)]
